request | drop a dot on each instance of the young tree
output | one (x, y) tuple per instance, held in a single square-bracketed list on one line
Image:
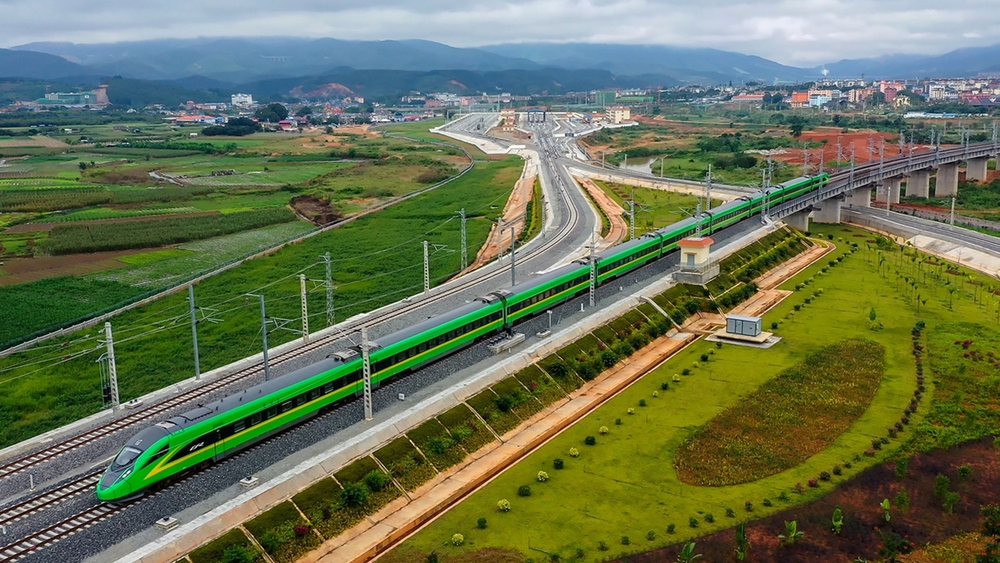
[(687, 554), (885, 509), (792, 533), (838, 520), (742, 543)]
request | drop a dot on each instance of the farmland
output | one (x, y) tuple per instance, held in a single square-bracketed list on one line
[(376, 260), (135, 195), (628, 483)]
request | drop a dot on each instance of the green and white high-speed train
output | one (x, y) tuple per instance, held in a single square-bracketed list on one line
[(216, 430)]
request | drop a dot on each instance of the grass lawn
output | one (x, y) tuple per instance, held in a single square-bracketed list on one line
[(653, 208), (626, 484)]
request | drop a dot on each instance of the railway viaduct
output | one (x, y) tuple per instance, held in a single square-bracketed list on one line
[(853, 187)]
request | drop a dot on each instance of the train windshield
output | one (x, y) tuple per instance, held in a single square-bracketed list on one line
[(126, 457)]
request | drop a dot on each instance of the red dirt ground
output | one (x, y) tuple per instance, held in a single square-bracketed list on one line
[(23, 270), (925, 521)]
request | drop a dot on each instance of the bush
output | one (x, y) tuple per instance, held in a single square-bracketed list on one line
[(783, 496), (664, 386), (774, 326), (573, 452), (709, 518), (824, 475), (524, 491), (558, 463), (503, 505), (748, 505), (656, 394), (642, 402), (590, 441), (730, 513), (609, 358), (543, 476), (837, 470), (767, 502), (457, 539), (964, 472), (481, 523), (704, 357), (630, 410), (651, 535), (870, 452), (618, 422), (625, 540), (813, 483), (693, 522), (671, 528), (376, 480), (902, 466), (603, 430), (601, 546), (941, 485), (354, 495), (685, 371)]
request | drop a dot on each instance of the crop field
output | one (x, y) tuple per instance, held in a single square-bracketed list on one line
[(653, 208), (376, 260), (625, 494)]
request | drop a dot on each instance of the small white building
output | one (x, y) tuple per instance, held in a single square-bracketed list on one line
[(242, 100), (619, 115)]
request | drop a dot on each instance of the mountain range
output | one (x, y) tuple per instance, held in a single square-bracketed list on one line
[(274, 67)]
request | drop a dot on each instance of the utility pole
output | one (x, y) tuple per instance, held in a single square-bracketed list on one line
[(513, 260), (305, 309), (625, 161), (805, 160), (194, 332), (465, 259), (366, 368), (840, 152), (330, 318), (593, 272), (763, 191), (697, 219), (427, 267), (708, 189), (263, 334), (631, 217), (951, 221), (112, 366)]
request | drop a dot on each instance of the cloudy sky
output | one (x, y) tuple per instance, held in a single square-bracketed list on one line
[(797, 32)]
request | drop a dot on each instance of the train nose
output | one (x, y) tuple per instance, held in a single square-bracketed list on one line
[(110, 488)]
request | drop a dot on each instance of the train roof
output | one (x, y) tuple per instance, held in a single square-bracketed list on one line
[(230, 402), (433, 322), (544, 278)]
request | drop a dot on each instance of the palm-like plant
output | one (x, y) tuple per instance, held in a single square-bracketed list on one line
[(792, 533), (885, 509), (838, 520), (687, 554), (742, 543)]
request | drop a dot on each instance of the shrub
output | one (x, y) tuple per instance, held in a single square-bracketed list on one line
[(580, 553), (376, 480), (671, 528), (601, 546), (301, 530), (847, 465), (543, 476), (503, 505), (642, 402), (902, 466), (630, 410), (774, 325), (949, 501), (704, 357), (625, 540), (573, 452), (590, 440), (693, 522), (799, 488), (524, 491), (354, 495), (941, 485), (824, 475), (870, 452), (656, 394), (558, 463), (664, 386), (837, 470), (813, 483), (783, 496), (677, 379), (651, 535), (481, 523), (797, 307), (709, 518), (685, 371), (903, 499), (767, 502), (964, 472), (609, 358), (730, 513), (877, 444), (457, 539), (603, 430), (618, 422), (558, 369), (748, 506)]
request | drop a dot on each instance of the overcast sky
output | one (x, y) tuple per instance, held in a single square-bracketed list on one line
[(797, 32)]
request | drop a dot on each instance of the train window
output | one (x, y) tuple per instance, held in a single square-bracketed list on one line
[(328, 388), (271, 412), (163, 451), (256, 419), (286, 406), (315, 393), (239, 426)]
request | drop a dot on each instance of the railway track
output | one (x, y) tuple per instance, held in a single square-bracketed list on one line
[(49, 499), (155, 411), (58, 531)]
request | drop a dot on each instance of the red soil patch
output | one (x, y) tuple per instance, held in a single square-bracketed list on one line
[(317, 211), (925, 521), (859, 142), (24, 270)]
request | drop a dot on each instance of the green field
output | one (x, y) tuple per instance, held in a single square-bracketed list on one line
[(653, 208), (626, 484), (376, 260)]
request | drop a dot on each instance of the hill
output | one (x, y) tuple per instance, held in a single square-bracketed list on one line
[(31, 64)]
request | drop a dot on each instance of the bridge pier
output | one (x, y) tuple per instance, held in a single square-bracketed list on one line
[(918, 184), (861, 197), (889, 190), (976, 169), (947, 180), (827, 211), (799, 220)]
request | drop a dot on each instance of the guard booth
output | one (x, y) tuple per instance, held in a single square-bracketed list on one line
[(743, 326)]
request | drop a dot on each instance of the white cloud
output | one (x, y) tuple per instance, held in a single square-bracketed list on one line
[(799, 32)]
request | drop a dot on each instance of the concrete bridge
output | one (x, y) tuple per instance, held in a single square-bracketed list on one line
[(853, 187)]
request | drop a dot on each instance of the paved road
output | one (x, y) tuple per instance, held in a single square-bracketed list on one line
[(933, 229)]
